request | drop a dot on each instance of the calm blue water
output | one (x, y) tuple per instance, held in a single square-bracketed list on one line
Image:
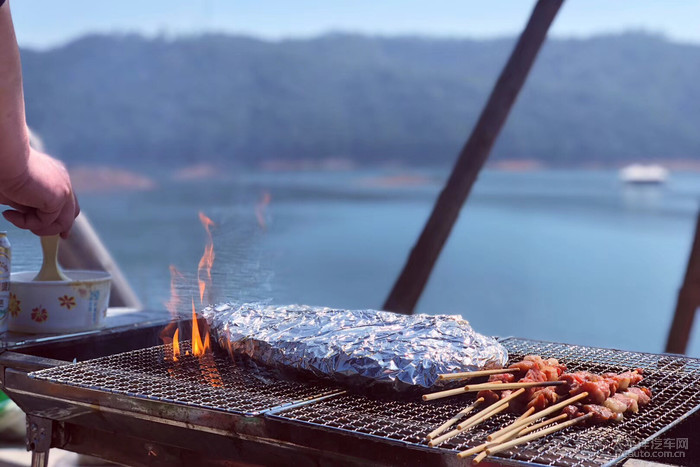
[(569, 256)]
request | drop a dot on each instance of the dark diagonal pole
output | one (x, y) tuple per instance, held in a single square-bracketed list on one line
[(410, 284), (688, 300)]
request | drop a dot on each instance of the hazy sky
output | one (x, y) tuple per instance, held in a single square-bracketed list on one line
[(44, 23)]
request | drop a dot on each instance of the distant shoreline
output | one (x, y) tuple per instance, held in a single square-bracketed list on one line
[(105, 179)]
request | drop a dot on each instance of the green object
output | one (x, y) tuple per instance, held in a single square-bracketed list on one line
[(3, 398), (12, 420)]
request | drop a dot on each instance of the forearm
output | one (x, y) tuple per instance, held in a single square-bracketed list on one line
[(14, 137)]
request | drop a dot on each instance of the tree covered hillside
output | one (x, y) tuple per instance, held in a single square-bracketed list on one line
[(129, 100)]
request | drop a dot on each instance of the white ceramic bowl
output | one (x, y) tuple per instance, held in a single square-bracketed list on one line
[(79, 304)]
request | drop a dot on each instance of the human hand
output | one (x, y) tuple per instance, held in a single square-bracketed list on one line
[(42, 197)]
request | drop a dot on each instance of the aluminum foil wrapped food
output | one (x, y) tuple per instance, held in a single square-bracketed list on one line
[(356, 347)]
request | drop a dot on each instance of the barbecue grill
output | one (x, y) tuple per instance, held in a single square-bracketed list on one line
[(139, 407)]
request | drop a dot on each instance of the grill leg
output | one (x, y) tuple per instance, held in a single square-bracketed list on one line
[(40, 459), (39, 432)]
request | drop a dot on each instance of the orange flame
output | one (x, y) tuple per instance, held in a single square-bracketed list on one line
[(173, 305), (260, 209), (176, 345), (198, 348), (207, 260)]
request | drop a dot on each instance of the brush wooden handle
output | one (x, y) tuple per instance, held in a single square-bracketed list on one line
[(49, 268)]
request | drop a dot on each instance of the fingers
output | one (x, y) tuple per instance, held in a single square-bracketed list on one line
[(18, 207), (45, 223), (76, 212), (42, 200), (32, 220)]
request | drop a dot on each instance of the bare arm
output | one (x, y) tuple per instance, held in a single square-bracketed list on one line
[(36, 186), (14, 137)]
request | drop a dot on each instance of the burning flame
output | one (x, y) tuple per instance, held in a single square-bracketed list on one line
[(260, 209), (176, 345), (207, 260), (199, 348)]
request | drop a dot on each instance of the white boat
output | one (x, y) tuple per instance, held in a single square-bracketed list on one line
[(640, 174)]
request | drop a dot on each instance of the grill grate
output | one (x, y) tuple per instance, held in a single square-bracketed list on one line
[(674, 381), (211, 382), (215, 382)]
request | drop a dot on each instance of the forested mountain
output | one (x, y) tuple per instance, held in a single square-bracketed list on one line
[(126, 99)]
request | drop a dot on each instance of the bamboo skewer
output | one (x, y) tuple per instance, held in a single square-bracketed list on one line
[(537, 415), (485, 416), (479, 458), (493, 407), (537, 434), (503, 438), (537, 426), (441, 394), (496, 434), (470, 422), (502, 386), (496, 386), (526, 414), (454, 419), (495, 446), (474, 450), (475, 374), (483, 446), (445, 437)]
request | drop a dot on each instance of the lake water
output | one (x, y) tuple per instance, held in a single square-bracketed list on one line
[(569, 256)]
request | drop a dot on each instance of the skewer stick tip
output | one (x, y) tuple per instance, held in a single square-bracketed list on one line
[(471, 451), (440, 394)]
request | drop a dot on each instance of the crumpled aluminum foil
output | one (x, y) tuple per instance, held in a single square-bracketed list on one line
[(356, 347)]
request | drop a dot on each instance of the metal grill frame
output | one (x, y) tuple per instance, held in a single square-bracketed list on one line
[(284, 412)]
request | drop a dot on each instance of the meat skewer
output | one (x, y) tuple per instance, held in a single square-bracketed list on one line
[(474, 374), (588, 397), (536, 369), (614, 407), (602, 389), (491, 386), (514, 385)]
